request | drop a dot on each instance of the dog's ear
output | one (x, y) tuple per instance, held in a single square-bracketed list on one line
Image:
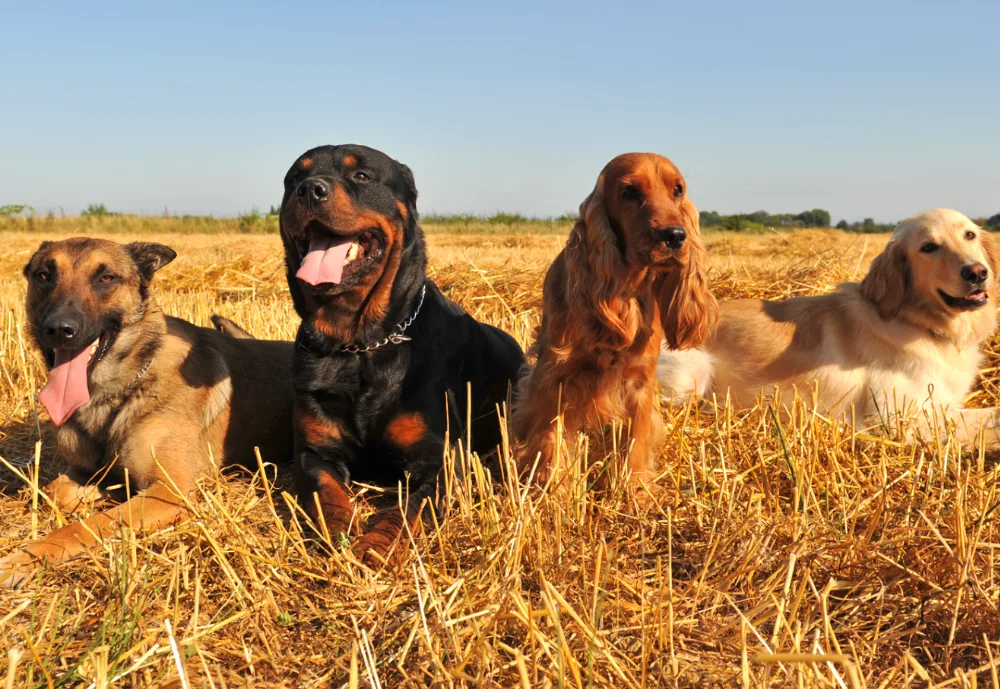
[(149, 257), (596, 241), (27, 266), (688, 309), (887, 281), (411, 184), (989, 244), (597, 275)]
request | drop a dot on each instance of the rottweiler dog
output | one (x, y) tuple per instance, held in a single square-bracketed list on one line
[(132, 390), (385, 366)]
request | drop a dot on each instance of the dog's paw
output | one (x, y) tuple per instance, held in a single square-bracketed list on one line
[(16, 568), (375, 550)]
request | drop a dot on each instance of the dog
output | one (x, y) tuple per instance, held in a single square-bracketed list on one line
[(632, 272), (907, 339), (382, 359), (139, 396)]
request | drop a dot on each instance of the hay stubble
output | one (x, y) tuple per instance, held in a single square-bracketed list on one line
[(778, 553)]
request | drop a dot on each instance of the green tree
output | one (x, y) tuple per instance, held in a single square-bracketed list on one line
[(994, 221), (96, 210), (735, 222), (709, 219), (817, 217), (842, 225)]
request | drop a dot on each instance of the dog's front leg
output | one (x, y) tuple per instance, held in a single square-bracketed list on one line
[(970, 422), (68, 494), (154, 508), (385, 541)]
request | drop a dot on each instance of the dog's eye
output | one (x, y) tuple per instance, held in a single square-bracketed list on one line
[(970, 235), (678, 191), (929, 248), (43, 275), (360, 177), (106, 278), (631, 193)]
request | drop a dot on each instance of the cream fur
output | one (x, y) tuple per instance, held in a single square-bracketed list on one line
[(890, 345)]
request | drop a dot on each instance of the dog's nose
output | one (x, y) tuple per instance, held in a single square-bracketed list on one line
[(61, 329), (673, 236), (313, 190), (975, 273)]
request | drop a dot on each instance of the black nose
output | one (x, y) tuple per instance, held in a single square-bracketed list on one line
[(60, 329), (313, 190), (975, 273), (673, 236)]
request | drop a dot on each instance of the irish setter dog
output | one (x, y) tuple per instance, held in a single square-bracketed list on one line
[(631, 273)]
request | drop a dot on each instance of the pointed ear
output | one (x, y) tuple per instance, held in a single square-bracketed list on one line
[(887, 281), (27, 266), (989, 244), (688, 309), (150, 257)]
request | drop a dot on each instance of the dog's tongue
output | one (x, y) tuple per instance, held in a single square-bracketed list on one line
[(324, 262), (67, 389)]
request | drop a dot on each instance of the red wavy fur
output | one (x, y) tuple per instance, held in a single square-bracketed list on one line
[(610, 297)]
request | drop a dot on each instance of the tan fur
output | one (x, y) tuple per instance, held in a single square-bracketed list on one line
[(224, 325), (888, 346), (609, 298), (205, 396)]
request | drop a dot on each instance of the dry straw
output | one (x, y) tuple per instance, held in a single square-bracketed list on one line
[(782, 550)]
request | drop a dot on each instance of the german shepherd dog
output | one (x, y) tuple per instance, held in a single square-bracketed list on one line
[(385, 366), (132, 391)]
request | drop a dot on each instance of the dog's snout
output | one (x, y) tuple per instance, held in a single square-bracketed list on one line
[(673, 236), (61, 329), (975, 273), (313, 190)]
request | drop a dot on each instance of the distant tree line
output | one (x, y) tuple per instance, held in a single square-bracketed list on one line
[(817, 217), (737, 222)]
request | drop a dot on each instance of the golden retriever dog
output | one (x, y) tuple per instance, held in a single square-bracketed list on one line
[(631, 273), (906, 340)]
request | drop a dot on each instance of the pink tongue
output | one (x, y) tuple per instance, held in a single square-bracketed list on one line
[(67, 389), (324, 262)]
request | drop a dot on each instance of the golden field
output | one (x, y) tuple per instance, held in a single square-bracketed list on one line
[(780, 553)]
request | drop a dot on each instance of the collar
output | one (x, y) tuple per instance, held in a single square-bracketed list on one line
[(126, 391), (397, 336)]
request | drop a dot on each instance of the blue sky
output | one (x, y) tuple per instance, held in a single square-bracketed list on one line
[(872, 109)]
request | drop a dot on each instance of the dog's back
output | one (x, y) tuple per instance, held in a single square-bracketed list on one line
[(835, 345), (260, 389)]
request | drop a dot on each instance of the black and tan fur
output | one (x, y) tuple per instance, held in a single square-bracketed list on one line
[(204, 396)]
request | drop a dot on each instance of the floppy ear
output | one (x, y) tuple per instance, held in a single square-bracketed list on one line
[(989, 244), (27, 266), (688, 310), (149, 257), (596, 272), (411, 184), (887, 280)]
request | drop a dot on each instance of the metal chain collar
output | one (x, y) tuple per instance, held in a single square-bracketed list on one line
[(396, 337), (121, 394)]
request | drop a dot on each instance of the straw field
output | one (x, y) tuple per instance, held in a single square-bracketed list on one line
[(782, 551)]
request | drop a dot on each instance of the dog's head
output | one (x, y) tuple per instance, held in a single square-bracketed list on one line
[(347, 216), (641, 209), (82, 294), (937, 267), (640, 222)]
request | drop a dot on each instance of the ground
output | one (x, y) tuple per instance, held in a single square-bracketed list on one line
[(778, 553)]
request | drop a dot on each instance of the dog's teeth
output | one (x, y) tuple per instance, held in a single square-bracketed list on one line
[(352, 253), (93, 347)]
